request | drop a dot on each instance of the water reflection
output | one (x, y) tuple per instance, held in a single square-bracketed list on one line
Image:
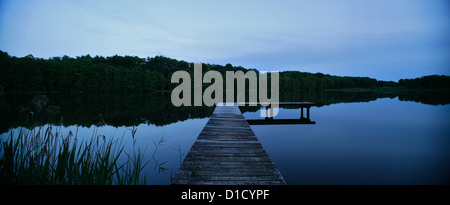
[(120, 109), (85, 110), (385, 141)]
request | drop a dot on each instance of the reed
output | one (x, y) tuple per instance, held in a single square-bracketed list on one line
[(42, 156)]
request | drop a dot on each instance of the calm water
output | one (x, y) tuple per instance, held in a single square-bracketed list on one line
[(383, 141), (164, 158), (380, 142)]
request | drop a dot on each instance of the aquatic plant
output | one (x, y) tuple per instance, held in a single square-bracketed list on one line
[(42, 155)]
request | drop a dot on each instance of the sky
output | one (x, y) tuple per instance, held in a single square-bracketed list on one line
[(383, 39)]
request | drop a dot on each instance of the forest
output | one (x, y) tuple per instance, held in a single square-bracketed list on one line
[(426, 82), (133, 74)]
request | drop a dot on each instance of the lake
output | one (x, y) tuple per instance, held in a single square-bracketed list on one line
[(380, 142), (358, 138)]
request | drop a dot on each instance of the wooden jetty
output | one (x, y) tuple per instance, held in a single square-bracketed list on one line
[(227, 152), (269, 120)]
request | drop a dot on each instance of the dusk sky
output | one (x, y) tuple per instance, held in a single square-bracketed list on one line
[(387, 40)]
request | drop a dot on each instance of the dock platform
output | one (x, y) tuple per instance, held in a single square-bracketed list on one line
[(227, 152)]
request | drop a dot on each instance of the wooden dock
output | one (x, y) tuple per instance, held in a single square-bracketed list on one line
[(269, 120), (227, 152)]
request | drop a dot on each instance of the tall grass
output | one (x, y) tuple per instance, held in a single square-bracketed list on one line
[(43, 156)]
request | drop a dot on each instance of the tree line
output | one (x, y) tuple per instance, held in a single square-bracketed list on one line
[(134, 74), (426, 82)]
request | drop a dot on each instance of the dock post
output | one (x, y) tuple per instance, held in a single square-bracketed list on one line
[(301, 116), (307, 113)]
